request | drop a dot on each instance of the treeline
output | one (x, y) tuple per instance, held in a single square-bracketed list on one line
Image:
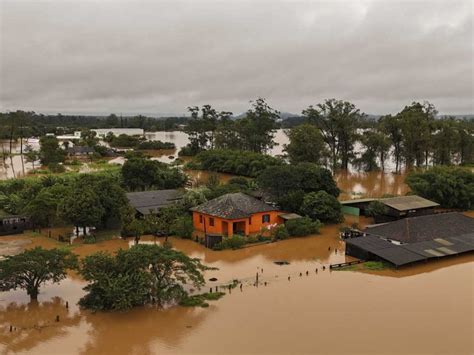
[(85, 200), (30, 124), (139, 143), (337, 134)]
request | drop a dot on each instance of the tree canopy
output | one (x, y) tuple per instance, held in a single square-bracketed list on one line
[(32, 268), (451, 187), (140, 275)]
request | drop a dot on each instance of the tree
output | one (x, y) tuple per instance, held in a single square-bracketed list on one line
[(338, 121), (137, 276), (82, 207), (376, 208), (306, 145), (202, 126), (322, 206), (183, 227), (50, 153), (32, 268), (465, 134), (376, 146), (451, 187), (417, 127), (227, 135), (43, 208), (32, 155), (288, 184), (392, 127), (136, 228), (142, 174), (257, 128)]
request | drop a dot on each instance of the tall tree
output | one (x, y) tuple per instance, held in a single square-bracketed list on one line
[(82, 207), (338, 121), (417, 127), (392, 127), (50, 153), (376, 147), (202, 126), (33, 268), (257, 128), (306, 145)]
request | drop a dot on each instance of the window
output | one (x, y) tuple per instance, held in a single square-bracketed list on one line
[(266, 218), (211, 222), (200, 218), (250, 220)]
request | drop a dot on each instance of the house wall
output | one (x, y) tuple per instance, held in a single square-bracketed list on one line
[(253, 224)]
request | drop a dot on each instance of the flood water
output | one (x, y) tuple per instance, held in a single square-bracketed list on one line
[(424, 309)]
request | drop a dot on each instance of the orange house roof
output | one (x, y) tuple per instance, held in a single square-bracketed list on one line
[(233, 206)]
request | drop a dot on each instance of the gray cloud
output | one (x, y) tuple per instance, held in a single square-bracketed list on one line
[(160, 57)]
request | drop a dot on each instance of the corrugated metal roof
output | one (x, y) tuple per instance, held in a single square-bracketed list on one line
[(357, 200), (429, 227), (408, 253), (288, 216), (406, 203)]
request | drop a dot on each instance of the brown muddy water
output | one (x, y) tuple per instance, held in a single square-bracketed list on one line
[(424, 309)]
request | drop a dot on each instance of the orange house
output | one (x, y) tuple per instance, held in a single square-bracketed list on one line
[(235, 213)]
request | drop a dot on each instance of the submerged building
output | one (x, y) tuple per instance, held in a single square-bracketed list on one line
[(415, 239), (395, 207), (150, 202)]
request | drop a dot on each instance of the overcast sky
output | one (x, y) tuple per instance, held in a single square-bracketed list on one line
[(161, 57)]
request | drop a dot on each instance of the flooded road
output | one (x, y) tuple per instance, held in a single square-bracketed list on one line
[(427, 308)]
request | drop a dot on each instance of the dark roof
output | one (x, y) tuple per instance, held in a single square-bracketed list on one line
[(408, 253), (406, 203), (147, 202), (233, 206), (424, 228), (80, 149)]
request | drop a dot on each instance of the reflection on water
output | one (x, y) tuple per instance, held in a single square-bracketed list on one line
[(428, 306)]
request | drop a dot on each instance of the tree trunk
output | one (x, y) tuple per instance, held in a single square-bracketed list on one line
[(84, 230), (33, 293)]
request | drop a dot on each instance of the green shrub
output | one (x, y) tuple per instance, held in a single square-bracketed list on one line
[(280, 232), (302, 226), (183, 227), (151, 145), (236, 162), (90, 239), (56, 168), (234, 242)]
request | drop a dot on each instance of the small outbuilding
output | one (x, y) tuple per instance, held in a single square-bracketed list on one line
[(14, 224), (80, 151), (395, 207), (150, 202)]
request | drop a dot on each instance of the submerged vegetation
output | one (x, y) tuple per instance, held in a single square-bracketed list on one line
[(143, 274)]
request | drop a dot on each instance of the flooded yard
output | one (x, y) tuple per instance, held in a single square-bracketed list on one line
[(426, 308)]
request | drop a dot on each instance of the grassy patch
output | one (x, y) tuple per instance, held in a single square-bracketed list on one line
[(375, 265), (200, 300), (368, 265)]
